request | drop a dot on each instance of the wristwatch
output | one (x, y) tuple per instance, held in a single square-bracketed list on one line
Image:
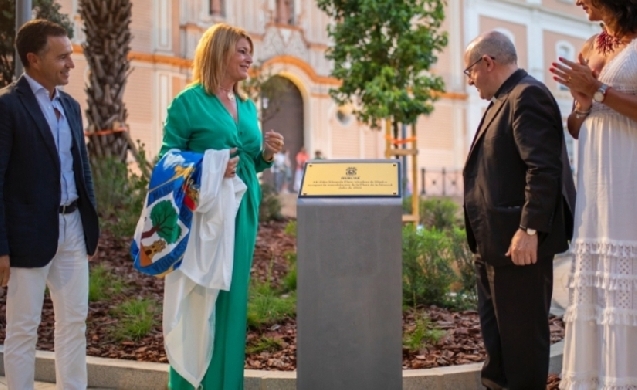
[(530, 232), (600, 95)]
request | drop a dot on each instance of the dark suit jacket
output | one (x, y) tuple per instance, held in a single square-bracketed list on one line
[(517, 173), (30, 178)]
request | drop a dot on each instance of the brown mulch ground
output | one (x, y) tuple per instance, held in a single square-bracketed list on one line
[(460, 342), (553, 383)]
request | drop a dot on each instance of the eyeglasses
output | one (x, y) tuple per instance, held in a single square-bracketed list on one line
[(467, 71)]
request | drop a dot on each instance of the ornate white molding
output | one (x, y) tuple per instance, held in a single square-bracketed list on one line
[(549, 20), (162, 88), (74, 15), (162, 26), (282, 41), (535, 57)]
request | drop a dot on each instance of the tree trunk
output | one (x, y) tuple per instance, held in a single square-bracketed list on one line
[(107, 45), (149, 233)]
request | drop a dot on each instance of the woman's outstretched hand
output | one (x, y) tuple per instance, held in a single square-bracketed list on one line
[(273, 143)]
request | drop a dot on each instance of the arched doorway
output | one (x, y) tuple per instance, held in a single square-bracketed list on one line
[(283, 112)]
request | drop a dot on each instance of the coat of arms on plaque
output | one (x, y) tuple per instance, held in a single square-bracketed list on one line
[(350, 171)]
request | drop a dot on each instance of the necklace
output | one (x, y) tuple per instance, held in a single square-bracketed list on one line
[(605, 42), (229, 93)]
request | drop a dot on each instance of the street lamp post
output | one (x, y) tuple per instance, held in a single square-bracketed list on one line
[(22, 15)]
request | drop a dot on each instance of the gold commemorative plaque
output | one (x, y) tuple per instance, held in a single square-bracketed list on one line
[(351, 179)]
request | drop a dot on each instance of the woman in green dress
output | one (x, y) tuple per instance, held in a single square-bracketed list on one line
[(211, 114)]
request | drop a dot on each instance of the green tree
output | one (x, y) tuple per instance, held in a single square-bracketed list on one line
[(44, 9), (382, 53), (164, 218)]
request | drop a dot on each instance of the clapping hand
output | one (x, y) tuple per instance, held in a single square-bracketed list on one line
[(578, 78)]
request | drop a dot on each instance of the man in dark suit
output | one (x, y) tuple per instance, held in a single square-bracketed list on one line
[(48, 217), (518, 202)]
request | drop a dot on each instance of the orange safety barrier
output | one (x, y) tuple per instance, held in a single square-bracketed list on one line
[(105, 132), (399, 141)]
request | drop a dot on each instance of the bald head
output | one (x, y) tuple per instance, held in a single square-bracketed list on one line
[(493, 44), (490, 60)]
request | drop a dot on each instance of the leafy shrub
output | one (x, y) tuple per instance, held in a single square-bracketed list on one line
[(136, 319), (103, 283), (441, 213), (289, 280), (270, 208), (422, 333), (120, 192), (407, 206), (264, 344), (466, 296), (290, 228), (267, 306), (427, 267)]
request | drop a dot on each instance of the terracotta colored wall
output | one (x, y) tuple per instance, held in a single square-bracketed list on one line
[(519, 32)]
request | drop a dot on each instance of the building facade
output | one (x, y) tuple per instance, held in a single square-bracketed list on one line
[(291, 38)]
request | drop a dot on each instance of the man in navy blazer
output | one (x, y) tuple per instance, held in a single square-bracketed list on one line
[(48, 217)]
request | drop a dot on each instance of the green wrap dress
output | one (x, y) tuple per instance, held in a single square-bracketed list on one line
[(197, 121)]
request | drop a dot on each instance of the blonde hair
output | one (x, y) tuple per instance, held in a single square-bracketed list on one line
[(214, 49)]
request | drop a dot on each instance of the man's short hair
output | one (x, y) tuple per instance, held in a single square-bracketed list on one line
[(33, 36), (494, 44)]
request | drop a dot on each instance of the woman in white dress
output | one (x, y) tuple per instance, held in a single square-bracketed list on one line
[(594, 53), (600, 350)]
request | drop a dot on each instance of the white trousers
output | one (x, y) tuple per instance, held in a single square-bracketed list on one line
[(67, 279)]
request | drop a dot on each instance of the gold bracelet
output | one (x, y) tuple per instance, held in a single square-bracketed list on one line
[(265, 159)]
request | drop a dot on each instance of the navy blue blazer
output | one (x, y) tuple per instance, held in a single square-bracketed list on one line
[(30, 178)]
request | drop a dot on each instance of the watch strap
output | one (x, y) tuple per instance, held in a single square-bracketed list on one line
[(528, 231), (600, 94)]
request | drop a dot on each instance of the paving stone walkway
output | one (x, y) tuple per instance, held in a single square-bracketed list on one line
[(41, 385), (38, 385), (561, 269)]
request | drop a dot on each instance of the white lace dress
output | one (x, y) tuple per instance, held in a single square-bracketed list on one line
[(600, 350)]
